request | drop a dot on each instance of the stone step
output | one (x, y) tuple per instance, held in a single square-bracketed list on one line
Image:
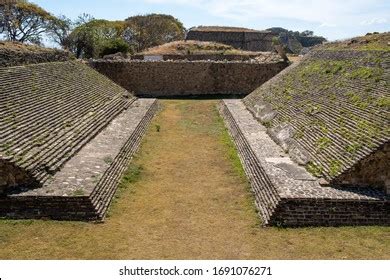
[(85, 185)]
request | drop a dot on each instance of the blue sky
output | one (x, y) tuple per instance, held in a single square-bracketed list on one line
[(333, 19)]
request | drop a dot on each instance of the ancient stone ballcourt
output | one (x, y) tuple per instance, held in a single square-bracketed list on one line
[(313, 137)]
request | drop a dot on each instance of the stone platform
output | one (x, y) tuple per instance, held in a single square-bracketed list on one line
[(85, 185), (285, 193)]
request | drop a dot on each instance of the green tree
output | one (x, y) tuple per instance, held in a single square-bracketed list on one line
[(145, 31), (62, 27), (307, 33), (24, 22), (97, 38), (113, 46), (59, 31)]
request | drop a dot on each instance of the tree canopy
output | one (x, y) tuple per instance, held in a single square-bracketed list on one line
[(97, 38), (24, 21), (145, 31), (87, 37)]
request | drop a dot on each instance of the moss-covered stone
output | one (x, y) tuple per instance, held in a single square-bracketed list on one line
[(337, 100)]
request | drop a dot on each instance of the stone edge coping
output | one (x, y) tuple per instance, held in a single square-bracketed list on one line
[(286, 117), (289, 179), (81, 174), (69, 102), (82, 208), (112, 61)]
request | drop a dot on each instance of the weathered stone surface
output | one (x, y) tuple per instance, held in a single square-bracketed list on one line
[(11, 176), (264, 112), (178, 78), (15, 53), (374, 170), (115, 56), (84, 187), (240, 38), (335, 100), (285, 193), (49, 111), (257, 56), (298, 154), (283, 135)]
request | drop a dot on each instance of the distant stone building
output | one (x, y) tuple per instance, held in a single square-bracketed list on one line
[(295, 41), (239, 38)]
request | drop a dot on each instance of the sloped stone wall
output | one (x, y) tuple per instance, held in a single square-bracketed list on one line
[(280, 200), (50, 105), (177, 78), (332, 107), (54, 201)]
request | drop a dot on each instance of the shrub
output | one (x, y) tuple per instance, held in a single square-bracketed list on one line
[(114, 46)]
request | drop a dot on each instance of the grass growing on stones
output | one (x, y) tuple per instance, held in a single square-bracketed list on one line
[(183, 197), (231, 151)]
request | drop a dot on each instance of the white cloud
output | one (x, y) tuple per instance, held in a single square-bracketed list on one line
[(325, 13), (327, 24), (374, 21)]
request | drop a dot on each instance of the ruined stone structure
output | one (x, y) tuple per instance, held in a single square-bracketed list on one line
[(67, 135), (239, 38), (295, 42), (314, 140), (198, 57), (175, 78), (13, 54)]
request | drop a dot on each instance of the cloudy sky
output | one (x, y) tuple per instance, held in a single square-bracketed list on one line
[(334, 19)]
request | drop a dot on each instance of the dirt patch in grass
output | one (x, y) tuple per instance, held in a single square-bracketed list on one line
[(184, 197)]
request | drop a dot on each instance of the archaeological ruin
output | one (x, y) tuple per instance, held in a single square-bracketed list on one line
[(67, 135), (200, 77), (239, 38), (314, 140), (313, 137)]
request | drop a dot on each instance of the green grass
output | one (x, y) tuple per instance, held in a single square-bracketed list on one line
[(335, 167), (131, 176), (367, 73), (323, 143), (231, 150), (384, 102), (78, 192), (183, 197), (314, 169)]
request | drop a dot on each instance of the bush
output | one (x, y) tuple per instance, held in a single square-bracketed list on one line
[(276, 41), (114, 46)]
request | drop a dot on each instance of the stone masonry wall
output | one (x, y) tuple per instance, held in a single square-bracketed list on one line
[(15, 54), (359, 207), (50, 204), (175, 78), (11, 176), (251, 41), (197, 57), (372, 171)]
